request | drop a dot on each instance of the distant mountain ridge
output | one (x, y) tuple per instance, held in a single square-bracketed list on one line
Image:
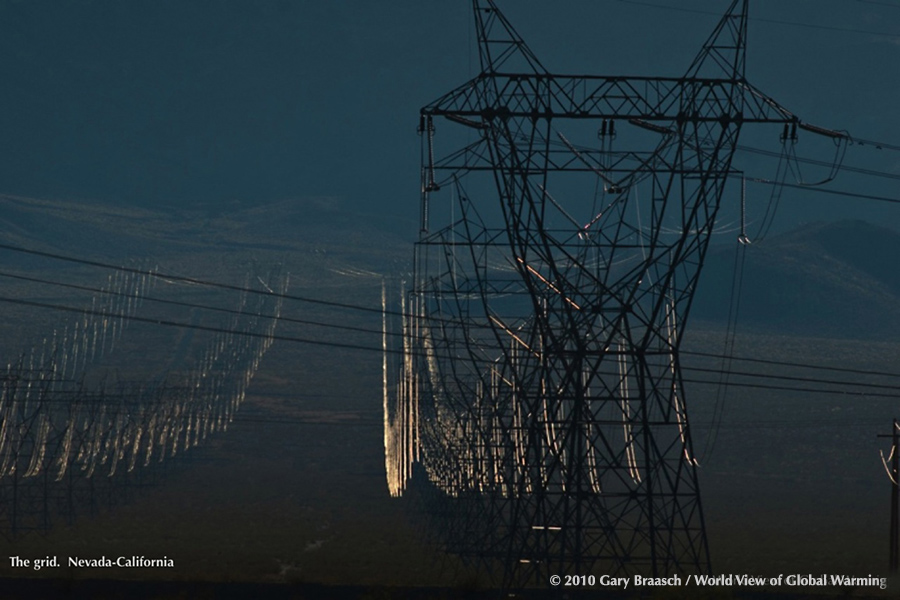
[(836, 279), (97, 230)]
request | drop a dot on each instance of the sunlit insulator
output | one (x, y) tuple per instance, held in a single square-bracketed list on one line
[(81, 429), (110, 307), (177, 423), (103, 328), (64, 354), (625, 400), (135, 449), (106, 440), (126, 436), (39, 446), (195, 422), (678, 405), (85, 343), (92, 449), (115, 445), (151, 438), (29, 380), (130, 290), (65, 454), (163, 435), (6, 438), (186, 395), (391, 458), (207, 415), (75, 344), (121, 302), (94, 324)]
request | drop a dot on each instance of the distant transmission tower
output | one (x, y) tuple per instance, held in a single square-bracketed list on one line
[(540, 395)]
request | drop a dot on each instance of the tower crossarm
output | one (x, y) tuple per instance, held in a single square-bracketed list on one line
[(541, 96)]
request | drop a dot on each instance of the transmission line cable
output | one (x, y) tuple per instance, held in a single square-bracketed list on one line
[(109, 314), (799, 389), (764, 20), (734, 305), (825, 190), (317, 323), (722, 371), (794, 364), (193, 305), (191, 280), (822, 163)]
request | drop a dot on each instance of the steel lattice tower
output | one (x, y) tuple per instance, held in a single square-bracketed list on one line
[(541, 390)]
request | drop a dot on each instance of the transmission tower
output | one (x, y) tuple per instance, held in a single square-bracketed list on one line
[(541, 397)]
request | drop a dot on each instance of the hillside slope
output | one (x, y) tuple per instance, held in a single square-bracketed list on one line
[(825, 279)]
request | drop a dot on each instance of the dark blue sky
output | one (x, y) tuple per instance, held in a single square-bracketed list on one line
[(179, 103)]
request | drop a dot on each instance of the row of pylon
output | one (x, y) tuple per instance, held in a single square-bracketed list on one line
[(62, 426)]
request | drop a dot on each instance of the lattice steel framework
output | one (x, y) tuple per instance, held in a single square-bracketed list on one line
[(541, 389)]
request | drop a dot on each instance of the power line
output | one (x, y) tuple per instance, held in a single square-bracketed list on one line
[(192, 280), (793, 364), (798, 389), (332, 325), (822, 163), (821, 190), (225, 286), (390, 351), (876, 145), (308, 421), (764, 20), (805, 424), (214, 285), (218, 285), (287, 319), (839, 423), (230, 311), (791, 378), (168, 323)]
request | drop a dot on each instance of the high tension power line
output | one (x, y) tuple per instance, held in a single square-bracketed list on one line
[(557, 440), (287, 320)]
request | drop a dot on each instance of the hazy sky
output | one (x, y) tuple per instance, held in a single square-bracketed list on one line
[(174, 102)]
